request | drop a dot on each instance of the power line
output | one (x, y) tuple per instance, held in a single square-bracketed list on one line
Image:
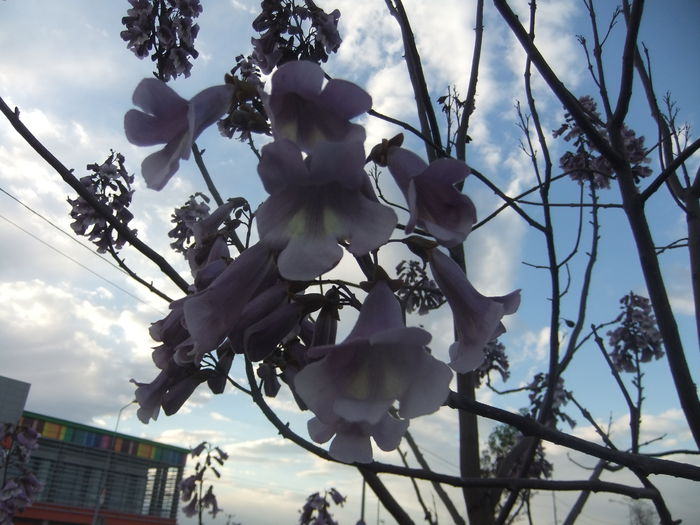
[(64, 232), (438, 457), (127, 292)]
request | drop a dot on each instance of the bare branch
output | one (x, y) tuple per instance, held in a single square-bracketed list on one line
[(104, 211)]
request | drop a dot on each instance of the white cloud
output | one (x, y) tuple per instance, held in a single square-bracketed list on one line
[(86, 356), (216, 416)]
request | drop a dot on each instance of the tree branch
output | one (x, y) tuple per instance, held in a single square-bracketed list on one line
[(470, 101), (558, 89), (426, 113), (104, 211), (530, 427)]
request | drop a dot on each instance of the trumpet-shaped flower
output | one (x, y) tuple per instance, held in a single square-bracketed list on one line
[(212, 313), (317, 202), (169, 119), (434, 202), (477, 317), (354, 384), (306, 112)]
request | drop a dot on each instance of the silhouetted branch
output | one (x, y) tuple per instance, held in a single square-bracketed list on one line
[(104, 211)]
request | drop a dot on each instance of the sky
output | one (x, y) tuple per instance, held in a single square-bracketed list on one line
[(76, 328)]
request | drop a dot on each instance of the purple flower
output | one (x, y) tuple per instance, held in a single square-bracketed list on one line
[(189, 484), (196, 451), (477, 318), (209, 255), (326, 25), (211, 314), (337, 497), (305, 111), (434, 202), (170, 389), (317, 202), (28, 438), (351, 443), (266, 321), (171, 120), (266, 52), (352, 387), (190, 509), (167, 26), (209, 500)]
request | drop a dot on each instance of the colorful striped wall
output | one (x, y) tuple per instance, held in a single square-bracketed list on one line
[(96, 438)]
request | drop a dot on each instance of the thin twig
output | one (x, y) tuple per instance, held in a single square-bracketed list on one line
[(122, 264), (470, 101)]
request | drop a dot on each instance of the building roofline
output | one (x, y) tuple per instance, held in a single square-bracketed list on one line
[(103, 431)]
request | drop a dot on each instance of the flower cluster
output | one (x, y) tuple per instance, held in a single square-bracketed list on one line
[(21, 487), (183, 217), (110, 183), (495, 360), (291, 32), (560, 397), (321, 205), (180, 355), (192, 487), (166, 28), (637, 339), (586, 164), (316, 509), (418, 292), (246, 114)]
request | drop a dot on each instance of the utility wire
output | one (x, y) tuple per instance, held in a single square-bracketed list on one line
[(64, 232), (127, 292)]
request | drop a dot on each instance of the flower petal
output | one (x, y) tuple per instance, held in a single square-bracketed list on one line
[(429, 388), (351, 446), (159, 167), (295, 264), (381, 311), (389, 431), (319, 431), (156, 98), (403, 166), (347, 99), (146, 130), (209, 106), (281, 164), (301, 77)]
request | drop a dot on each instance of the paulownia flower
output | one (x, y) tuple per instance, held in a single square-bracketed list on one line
[(355, 383), (169, 119), (317, 202), (170, 389), (209, 253), (212, 313), (434, 202), (477, 317), (265, 322), (306, 112)]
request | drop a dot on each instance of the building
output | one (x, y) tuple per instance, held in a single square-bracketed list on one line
[(13, 396), (94, 476)]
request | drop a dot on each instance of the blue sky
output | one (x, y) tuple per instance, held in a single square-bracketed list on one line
[(79, 339)]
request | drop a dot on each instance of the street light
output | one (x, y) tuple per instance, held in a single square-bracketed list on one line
[(108, 464)]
